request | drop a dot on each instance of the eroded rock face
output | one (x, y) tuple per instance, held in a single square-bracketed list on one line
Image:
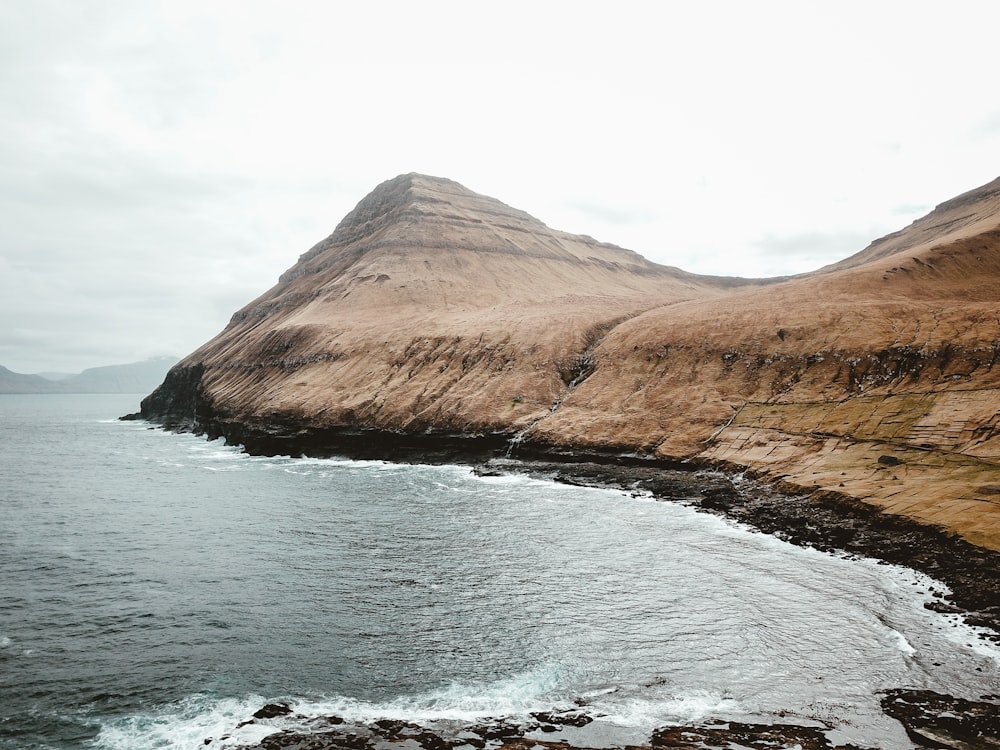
[(944, 721), (432, 315)]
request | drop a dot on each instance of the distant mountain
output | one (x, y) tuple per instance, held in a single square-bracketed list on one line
[(56, 375), (134, 377), (15, 382)]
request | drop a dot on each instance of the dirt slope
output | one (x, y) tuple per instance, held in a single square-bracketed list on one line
[(878, 380)]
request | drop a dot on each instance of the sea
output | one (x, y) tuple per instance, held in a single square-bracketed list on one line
[(157, 588)]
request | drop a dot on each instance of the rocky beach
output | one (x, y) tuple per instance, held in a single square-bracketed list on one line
[(930, 720), (972, 591)]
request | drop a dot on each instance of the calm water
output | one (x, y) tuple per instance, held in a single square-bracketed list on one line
[(156, 589)]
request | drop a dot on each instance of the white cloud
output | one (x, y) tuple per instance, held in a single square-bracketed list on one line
[(162, 162)]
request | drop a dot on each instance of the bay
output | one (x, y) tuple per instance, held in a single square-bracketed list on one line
[(156, 589)]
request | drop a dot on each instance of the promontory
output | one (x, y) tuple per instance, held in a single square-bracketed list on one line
[(436, 319)]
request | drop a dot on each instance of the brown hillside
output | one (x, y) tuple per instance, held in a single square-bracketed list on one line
[(967, 215), (880, 380), (433, 308)]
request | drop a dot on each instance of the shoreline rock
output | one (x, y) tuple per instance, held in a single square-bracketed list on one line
[(929, 719), (935, 720)]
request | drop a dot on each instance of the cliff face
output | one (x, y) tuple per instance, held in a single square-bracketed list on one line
[(434, 309)]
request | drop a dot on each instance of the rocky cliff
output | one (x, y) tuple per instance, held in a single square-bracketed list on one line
[(434, 316)]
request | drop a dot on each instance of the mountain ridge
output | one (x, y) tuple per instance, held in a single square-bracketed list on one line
[(409, 199), (131, 377), (950, 220)]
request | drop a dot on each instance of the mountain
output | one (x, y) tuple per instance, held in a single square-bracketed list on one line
[(15, 382), (434, 315), (134, 377), (429, 307), (55, 375)]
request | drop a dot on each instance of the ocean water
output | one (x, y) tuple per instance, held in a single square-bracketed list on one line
[(156, 589)]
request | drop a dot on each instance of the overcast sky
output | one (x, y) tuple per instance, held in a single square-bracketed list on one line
[(161, 163)]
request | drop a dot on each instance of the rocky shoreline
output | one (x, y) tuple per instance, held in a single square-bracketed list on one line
[(827, 521), (439, 325), (929, 719)]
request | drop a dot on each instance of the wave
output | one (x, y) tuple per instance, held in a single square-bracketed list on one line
[(901, 643), (195, 721), (218, 723)]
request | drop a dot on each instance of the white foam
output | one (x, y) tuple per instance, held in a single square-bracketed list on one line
[(972, 637), (654, 708), (192, 721), (952, 626), (196, 721), (901, 643), (227, 454), (533, 690), (523, 695), (512, 479), (337, 462)]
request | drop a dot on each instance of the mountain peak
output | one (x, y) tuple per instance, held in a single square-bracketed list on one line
[(422, 195), (422, 242), (407, 202), (415, 213), (417, 194)]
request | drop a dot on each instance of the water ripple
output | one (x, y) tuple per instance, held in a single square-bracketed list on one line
[(153, 599)]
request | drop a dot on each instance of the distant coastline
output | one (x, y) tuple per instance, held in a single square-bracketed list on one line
[(133, 377)]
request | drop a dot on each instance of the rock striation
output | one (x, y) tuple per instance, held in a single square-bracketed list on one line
[(436, 321)]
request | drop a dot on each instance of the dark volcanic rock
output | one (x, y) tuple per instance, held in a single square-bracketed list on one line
[(564, 718), (935, 720), (388, 734), (737, 735), (271, 710), (930, 719), (180, 402)]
